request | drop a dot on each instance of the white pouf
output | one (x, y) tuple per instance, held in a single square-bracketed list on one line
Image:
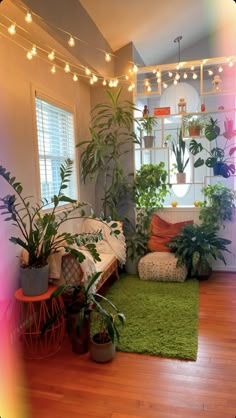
[(161, 267)]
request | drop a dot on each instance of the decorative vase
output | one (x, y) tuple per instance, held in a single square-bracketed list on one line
[(181, 178), (34, 281), (101, 353), (148, 141)]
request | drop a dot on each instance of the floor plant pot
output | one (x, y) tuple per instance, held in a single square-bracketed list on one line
[(148, 141), (131, 266), (34, 281), (181, 178), (204, 273), (79, 343), (101, 353)]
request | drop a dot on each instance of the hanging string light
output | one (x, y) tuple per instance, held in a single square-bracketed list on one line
[(67, 68), (87, 71), (53, 69), (51, 55), (28, 17), (34, 50), (12, 29), (107, 57), (29, 55), (75, 77), (71, 41)]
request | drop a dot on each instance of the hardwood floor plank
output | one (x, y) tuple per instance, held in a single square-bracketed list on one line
[(142, 386)]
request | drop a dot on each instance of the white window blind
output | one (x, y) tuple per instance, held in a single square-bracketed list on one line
[(55, 131)]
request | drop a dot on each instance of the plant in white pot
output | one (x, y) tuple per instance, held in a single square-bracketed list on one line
[(39, 230), (147, 124)]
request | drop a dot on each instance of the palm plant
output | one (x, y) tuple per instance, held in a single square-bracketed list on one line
[(111, 129)]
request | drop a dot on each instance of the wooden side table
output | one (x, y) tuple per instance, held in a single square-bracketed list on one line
[(32, 313)]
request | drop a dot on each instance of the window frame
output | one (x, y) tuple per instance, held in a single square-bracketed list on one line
[(69, 108)]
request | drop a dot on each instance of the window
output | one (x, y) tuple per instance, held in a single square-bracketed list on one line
[(55, 131)]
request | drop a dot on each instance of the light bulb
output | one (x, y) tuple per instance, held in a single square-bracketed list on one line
[(170, 74), (28, 17), (158, 74), (127, 77), (107, 57), (175, 82), (75, 77), (220, 69), (53, 69), (177, 76), (133, 85), (231, 64), (178, 67), (185, 75), (95, 79), (146, 83), (154, 71), (194, 76), (165, 85), (192, 68), (135, 68), (91, 81), (104, 82), (34, 50), (12, 29), (67, 68), (158, 79), (110, 83), (87, 71), (116, 82), (71, 41), (130, 88), (210, 72), (204, 61), (149, 88), (51, 55), (29, 55)]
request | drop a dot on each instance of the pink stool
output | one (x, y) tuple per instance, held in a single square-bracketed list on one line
[(32, 313)]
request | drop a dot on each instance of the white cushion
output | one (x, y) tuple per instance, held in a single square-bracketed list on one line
[(161, 266)]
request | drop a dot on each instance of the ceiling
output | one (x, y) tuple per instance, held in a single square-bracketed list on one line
[(152, 25)]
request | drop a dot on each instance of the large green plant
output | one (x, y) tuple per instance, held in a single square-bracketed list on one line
[(150, 189), (218, 205), (197, 246), (39, 230), (112, 129), (222, 155), (84, 299)]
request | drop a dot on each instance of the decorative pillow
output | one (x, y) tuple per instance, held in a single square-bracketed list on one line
[(162, 233)]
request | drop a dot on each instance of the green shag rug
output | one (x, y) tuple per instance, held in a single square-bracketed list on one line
[(161, 317)]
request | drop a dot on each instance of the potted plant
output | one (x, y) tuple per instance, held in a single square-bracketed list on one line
[(179, 148), (218, 205), (39, 230), (194, 124), (149, 191), (84, 301), (196, 247), (220, 158), (111, 128), (147, 124)]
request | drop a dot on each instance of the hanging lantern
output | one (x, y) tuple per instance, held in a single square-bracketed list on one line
[(216, 82)]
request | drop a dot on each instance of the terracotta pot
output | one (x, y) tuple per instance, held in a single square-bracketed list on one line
[(194, 130), (181, 178)]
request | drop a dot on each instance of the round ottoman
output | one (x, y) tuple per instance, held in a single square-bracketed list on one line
[(161, 267)]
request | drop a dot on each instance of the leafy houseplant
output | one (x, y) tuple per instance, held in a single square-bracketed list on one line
[(196, 247), (179, 148), (111, 130), (147, 124), (220, 158), (39, 231), (194, 124), (150, 190), (84, 300), (218, 205)]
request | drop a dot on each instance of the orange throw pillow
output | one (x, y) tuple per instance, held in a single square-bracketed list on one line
[(162, 233)]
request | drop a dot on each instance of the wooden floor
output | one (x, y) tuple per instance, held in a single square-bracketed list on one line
[(138, 386)]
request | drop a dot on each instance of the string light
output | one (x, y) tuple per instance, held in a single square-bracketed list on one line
[(185, 75), (67, 68), (104, 83), (194, 76), (95, 79), (177, 76), (71, 41), (111, 83), (28, 17), (210, 72), (51, 55), (220, 69), (192, 68), (135, 68), (231, 64), (107, 57), (29, 55), (12, 29), (170, 74), (91, 81), (130, 88), (75, 77), (34, 50), (158, 79), (175, 82), (53, 69), (127, 77), (149, 88), (87, 71), (165, 85)]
